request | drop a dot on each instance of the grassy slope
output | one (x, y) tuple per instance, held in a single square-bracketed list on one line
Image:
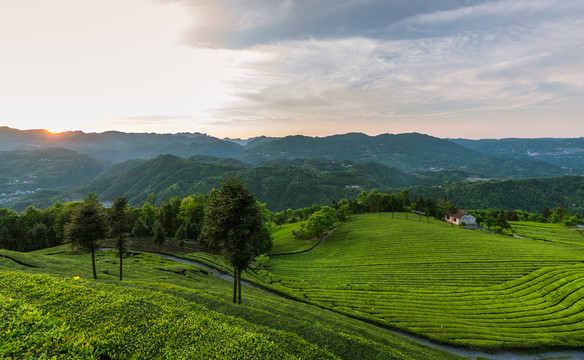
[(167, 310), (285, 243), (449, 284), (548, 232)]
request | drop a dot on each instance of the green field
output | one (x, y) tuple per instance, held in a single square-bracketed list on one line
[(548, 232), (444, 283), (448, 284), (285, 242), (167, 310)]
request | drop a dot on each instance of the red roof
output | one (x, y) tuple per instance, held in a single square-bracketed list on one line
[(458, 214)]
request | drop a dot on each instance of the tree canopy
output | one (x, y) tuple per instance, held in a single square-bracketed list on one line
[(232, 221), (88, 227)]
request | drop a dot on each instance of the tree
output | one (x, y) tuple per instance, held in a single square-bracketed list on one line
[(191, 213), (140, 229), (317, 225), (232, 220), (8, 229), (120, 222), (158, 236), (404, 197), (168, 215), (88, 227)]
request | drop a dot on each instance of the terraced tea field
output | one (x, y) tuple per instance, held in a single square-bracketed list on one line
[(50, 307), (548, 232), (448, 284)]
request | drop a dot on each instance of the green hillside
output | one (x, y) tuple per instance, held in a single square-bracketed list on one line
[(530, 195), (449, 284), (407, 152), (281, 185), (167, 310), (566, 153), (24, 173)]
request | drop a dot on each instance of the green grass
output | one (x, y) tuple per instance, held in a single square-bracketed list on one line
[(285, 242), (548, 232), (168, 310), (97, 319), (448, 284), (445, 283)]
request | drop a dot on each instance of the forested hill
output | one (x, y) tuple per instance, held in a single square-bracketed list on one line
[(566, 153), (24, 172), (531, 195), (407, 152), (508, 158), (280, 184)]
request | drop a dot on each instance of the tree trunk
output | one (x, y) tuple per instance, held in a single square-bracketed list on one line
[(93, 263), (239, 285), (121, 257), (235, 285)]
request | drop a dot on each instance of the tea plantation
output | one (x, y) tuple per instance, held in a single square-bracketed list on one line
[(449, 284), (51, 308), (445, 283)]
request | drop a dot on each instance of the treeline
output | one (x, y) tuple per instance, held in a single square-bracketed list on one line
[(497, 220), (531, 195), (181, 219)]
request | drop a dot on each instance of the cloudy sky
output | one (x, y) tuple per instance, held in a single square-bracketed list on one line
[(243, 68)]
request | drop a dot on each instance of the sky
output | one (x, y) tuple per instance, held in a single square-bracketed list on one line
[(244, 68)]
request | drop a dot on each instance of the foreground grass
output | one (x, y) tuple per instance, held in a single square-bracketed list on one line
[(47, 316), (167, 310), (445, 283)]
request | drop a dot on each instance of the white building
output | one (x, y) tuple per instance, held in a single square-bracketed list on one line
[(460, 217)]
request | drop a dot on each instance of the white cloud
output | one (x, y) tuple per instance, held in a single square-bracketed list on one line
[(266, 66), (508, 67)]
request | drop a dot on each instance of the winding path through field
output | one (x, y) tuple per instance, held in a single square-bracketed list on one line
[(466, 352), (470, 353)]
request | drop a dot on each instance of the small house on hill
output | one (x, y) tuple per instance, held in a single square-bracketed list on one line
[(460, 217)]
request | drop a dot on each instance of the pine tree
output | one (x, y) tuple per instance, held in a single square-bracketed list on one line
[(88, 227), (120, 228), (232, 220)]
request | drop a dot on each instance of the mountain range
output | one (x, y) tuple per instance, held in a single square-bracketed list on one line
[(38, 167)]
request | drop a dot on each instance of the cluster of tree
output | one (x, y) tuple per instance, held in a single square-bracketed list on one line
[(293, 216), (560, 215), (375, 201), (318, 224), (530, 195), (229, 219), (497, 220), (33, 228), (36, 229)]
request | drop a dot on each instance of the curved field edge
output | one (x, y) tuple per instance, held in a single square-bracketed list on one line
[(129, 315)]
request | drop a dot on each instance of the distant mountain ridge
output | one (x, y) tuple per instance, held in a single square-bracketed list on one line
[(411, 152), (117, 146), (285, 172), (407, 152)]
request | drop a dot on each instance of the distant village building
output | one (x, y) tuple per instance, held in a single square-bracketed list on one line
[(460, 217)]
